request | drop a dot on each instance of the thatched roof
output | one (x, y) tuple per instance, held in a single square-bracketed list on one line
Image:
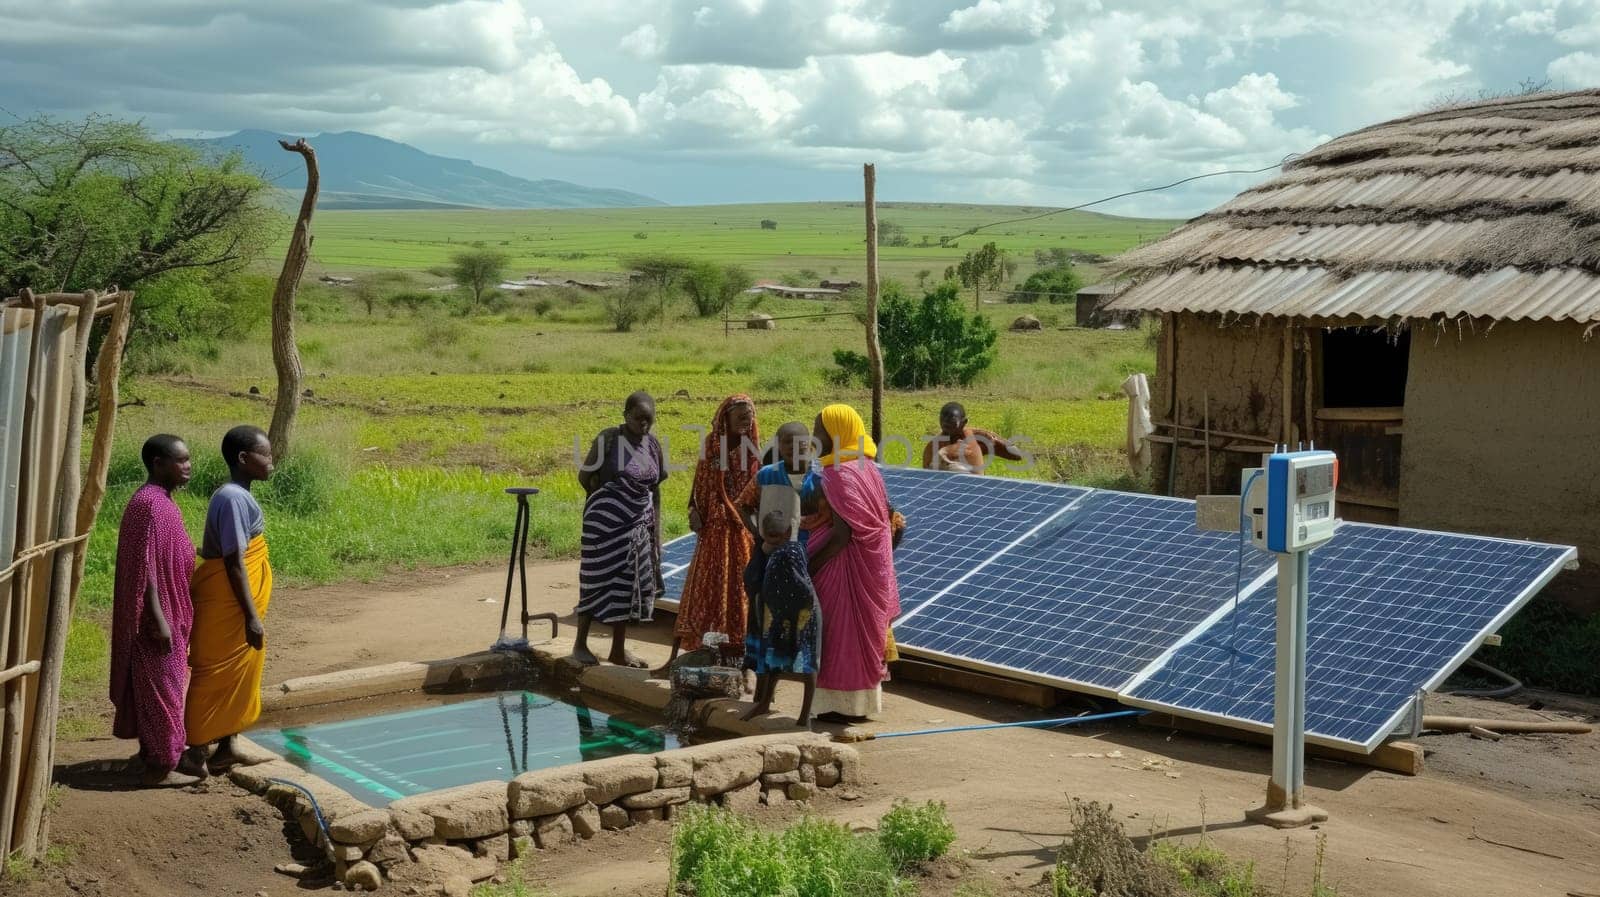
[(1488, 209)]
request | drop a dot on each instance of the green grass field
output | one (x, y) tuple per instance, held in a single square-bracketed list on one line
[(826, 239)]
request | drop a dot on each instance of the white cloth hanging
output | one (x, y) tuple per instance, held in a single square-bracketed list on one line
[(1137, 387)]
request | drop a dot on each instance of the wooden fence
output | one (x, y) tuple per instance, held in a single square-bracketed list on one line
[(48, 503)]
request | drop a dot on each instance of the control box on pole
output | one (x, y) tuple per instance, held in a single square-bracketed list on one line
[(1289, 504)]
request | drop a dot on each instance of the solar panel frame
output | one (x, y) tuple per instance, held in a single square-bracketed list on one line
[(1266, 592)]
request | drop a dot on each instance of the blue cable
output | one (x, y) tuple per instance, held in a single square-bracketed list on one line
[(316, 808), (1238, 581)]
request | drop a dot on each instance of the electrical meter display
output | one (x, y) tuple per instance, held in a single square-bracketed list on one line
[(1300, 501)]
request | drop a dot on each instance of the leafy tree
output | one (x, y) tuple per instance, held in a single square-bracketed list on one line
[(661, 272), (922, 278), (1056, 285), (768, 224), (479, 270), (735, 280), (627, 306), (100, 202), (892, 233), (980, 268), (927, 343)]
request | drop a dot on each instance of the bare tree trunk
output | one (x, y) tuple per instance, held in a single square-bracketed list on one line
[(874, 351), (285, 354)]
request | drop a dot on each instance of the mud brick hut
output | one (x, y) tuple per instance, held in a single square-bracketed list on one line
[(1421, 297)]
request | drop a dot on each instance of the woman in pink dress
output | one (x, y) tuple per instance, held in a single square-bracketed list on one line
[(152, 615), (852, 567)]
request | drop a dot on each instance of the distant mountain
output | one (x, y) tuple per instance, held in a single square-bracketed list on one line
[(360, 171)]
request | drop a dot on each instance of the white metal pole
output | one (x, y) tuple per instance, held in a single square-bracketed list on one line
[(1302, 593), (1280, 789)]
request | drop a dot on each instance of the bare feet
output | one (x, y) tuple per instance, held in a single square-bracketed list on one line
[(585, 657), (166, 778), (761, 709), (628, 659)]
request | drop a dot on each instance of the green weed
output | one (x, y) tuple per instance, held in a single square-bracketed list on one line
[(912, 834), (1205, 871), (718, 854)]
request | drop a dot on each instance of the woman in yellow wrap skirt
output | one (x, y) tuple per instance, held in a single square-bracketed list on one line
[(231, 588)]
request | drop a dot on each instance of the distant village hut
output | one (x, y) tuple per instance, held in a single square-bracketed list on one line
[(1092, 311), (1418, 296)]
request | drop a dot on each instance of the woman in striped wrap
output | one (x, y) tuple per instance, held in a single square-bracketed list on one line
[(619, 574)]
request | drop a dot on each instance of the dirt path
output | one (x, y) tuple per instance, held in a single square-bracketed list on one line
[(1007, 790)]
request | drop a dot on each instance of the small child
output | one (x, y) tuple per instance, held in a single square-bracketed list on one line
[(776, 486), (784, 618)]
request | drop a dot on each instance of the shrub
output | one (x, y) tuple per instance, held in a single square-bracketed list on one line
[(628, 306), (303, 483), (1055, 285), (768, 224), (926, 344), (541, 307), (438, 333), (1099, 859), (640, 235), (913, 834)]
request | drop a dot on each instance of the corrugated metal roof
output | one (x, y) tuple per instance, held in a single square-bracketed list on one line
[(1309, 291)]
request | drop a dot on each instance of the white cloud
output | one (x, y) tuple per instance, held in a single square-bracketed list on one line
[(1032, 100), (642, 42), (1023, 18), (1579, 69)]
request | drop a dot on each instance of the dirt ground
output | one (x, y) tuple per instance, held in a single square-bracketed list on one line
[(1516, 817)]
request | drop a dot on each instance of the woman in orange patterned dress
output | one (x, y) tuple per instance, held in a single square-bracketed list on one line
[(713, 591)]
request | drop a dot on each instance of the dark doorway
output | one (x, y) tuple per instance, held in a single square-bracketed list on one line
[(1361, 418), (1364, 367)]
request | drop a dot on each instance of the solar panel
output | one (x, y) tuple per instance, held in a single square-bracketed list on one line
[(1123, 579), (1121, 595), (953, 523), (1392, 612)]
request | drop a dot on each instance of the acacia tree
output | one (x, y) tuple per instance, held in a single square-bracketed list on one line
[(979, 268), (99, 202), (478, 270), (661, 272), (712, 287)]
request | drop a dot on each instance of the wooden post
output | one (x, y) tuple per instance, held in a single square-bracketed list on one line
[(1170, 320), (58, 613), (1310, 433), (1205, 403), (13, 619), (108, 370), (285, 354), (1288, 382), (874, 351)]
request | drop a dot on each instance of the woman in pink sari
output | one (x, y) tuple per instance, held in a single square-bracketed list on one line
[(852, 567)]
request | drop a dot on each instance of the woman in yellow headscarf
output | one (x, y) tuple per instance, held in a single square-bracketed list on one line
[(231, 588), (852, 567)]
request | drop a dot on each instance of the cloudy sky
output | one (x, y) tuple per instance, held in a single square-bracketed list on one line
[(1046, 102)]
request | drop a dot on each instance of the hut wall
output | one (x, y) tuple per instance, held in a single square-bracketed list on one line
[(1235, 370), (1502, 427)]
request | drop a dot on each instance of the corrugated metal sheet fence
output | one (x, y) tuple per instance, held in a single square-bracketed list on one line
[(45, 515)]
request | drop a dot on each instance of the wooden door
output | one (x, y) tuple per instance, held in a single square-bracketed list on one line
[(1367, 441)]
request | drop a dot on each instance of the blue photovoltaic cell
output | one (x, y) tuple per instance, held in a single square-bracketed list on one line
[(1091, 604), (1392, 611), (953, 523)]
